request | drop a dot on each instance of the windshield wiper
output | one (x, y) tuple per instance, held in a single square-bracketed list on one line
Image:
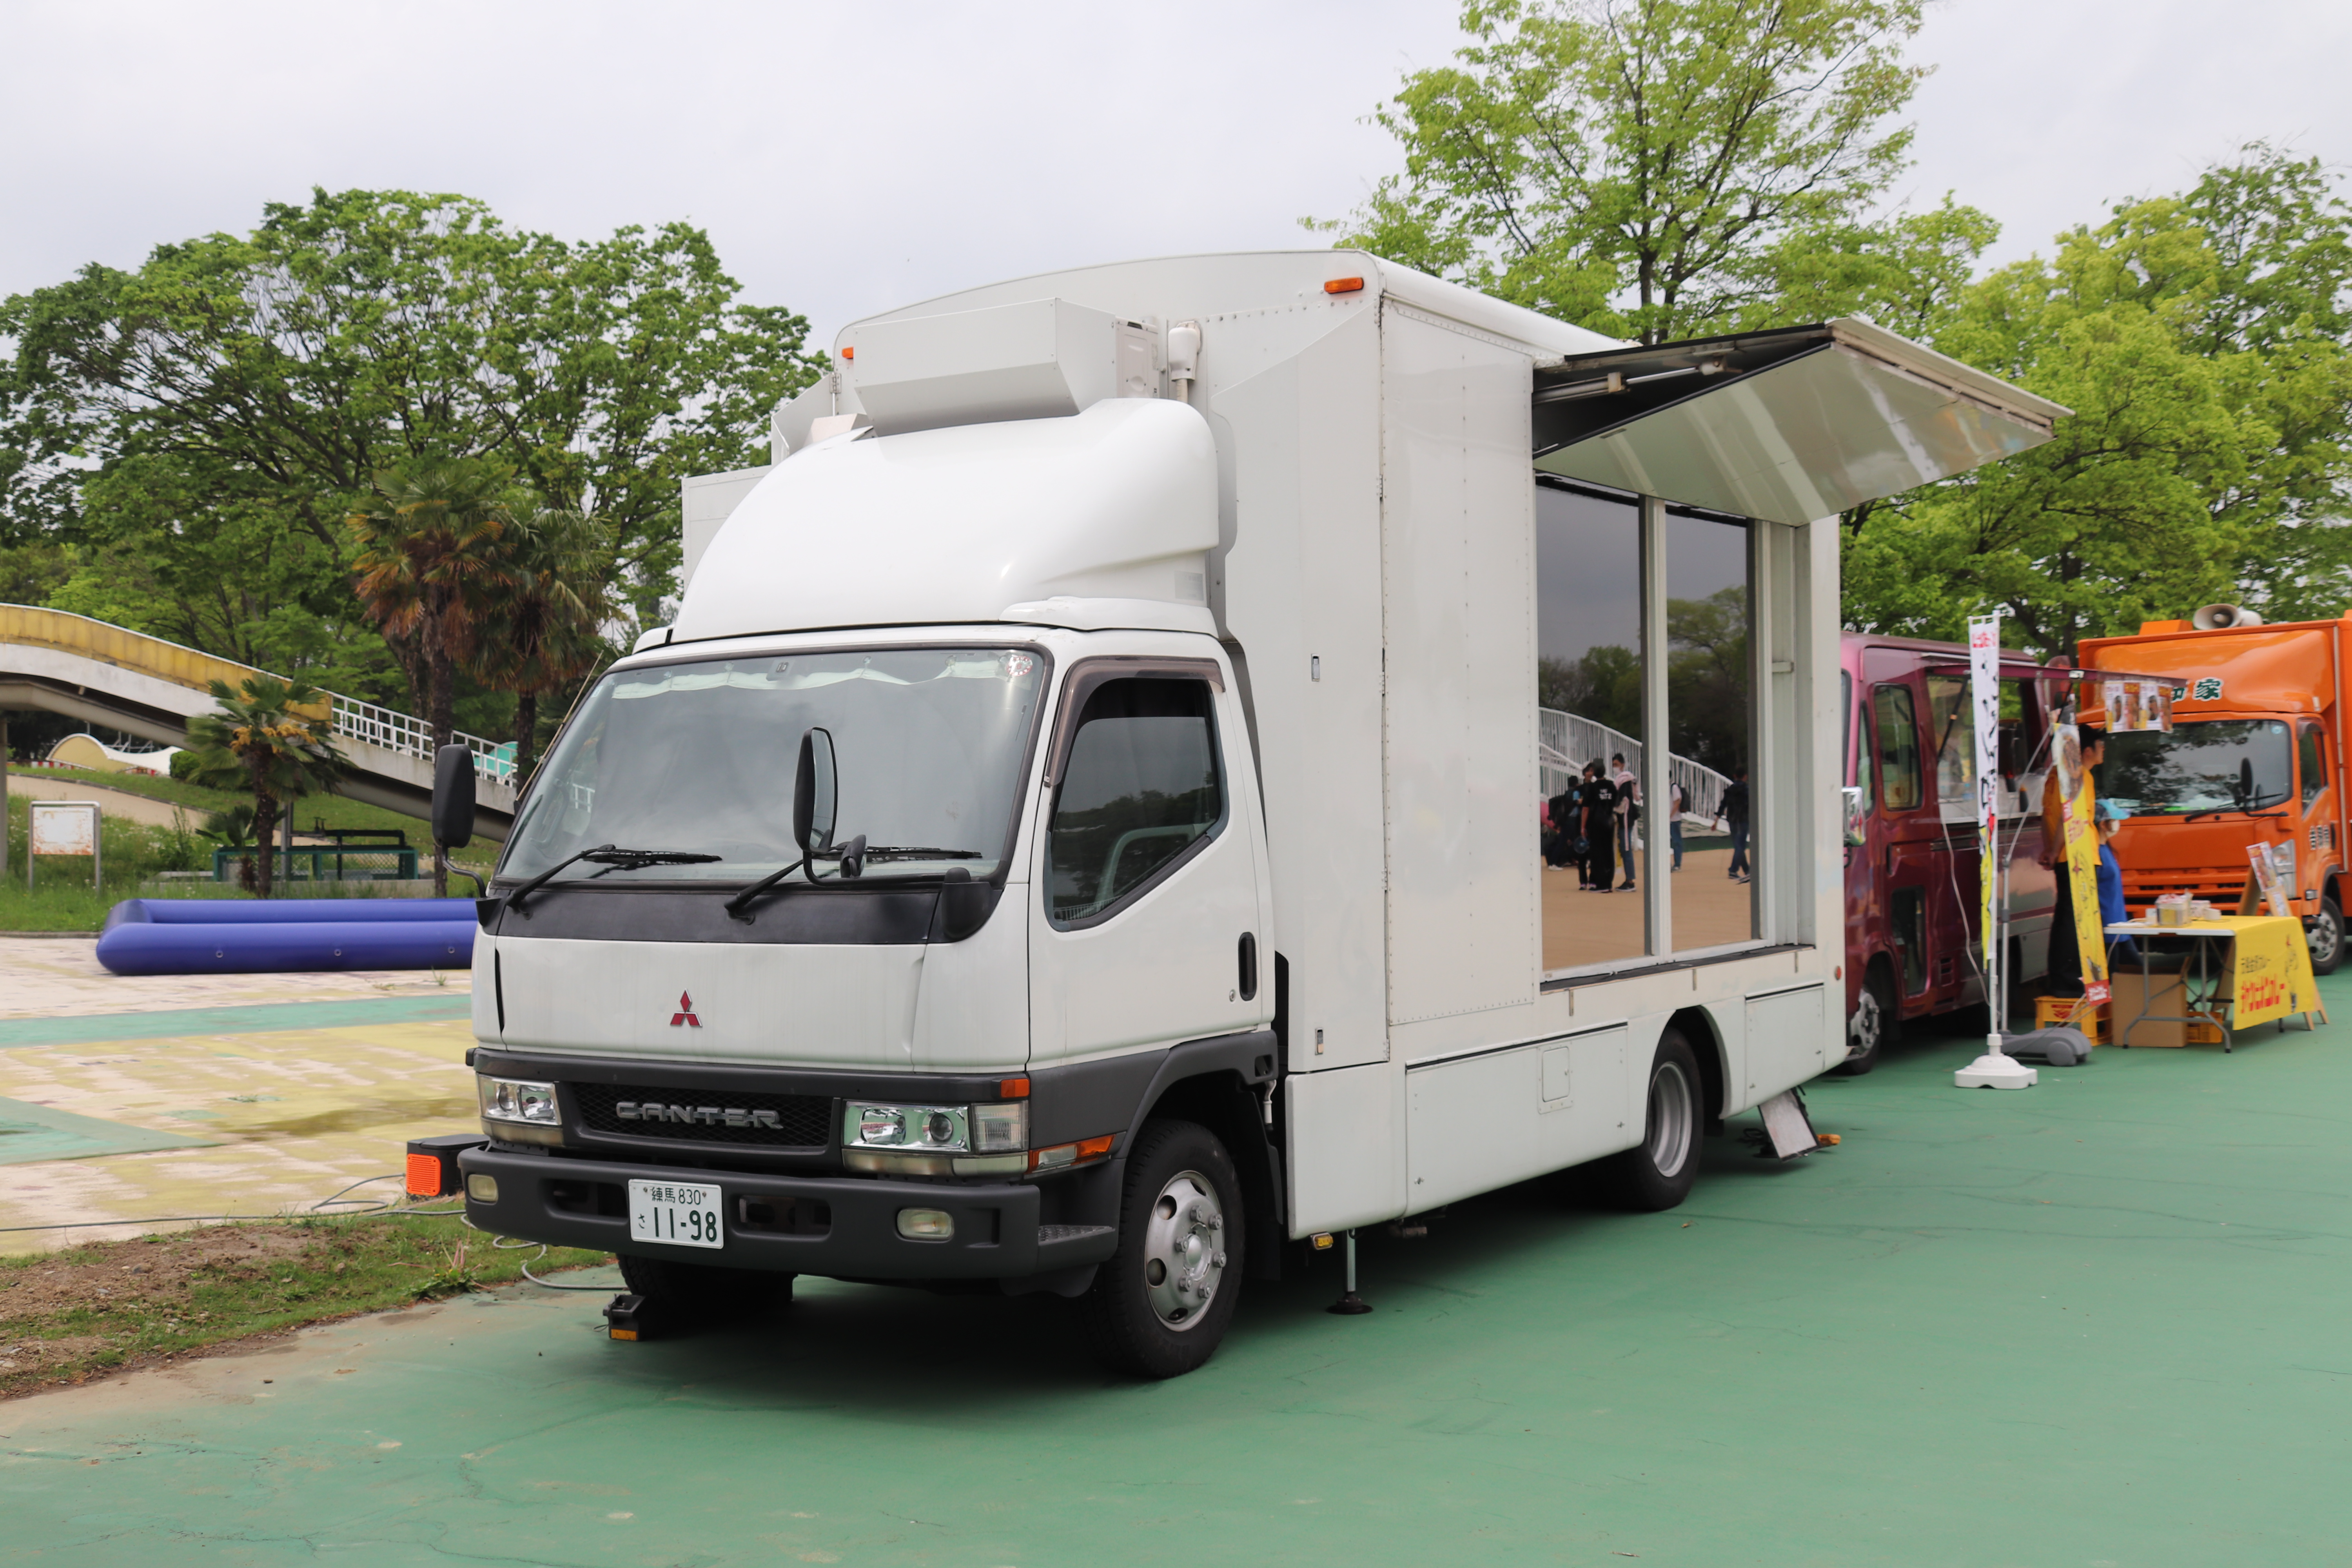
[(2251, 808), (918, 852), (851, 855), (612, 859)]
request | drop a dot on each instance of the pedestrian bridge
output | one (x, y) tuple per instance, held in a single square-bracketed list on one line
[(109, 675)]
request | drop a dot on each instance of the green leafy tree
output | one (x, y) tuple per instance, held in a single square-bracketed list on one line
[(1650, 169), (273, 739), (2200, 340), (199, 426)]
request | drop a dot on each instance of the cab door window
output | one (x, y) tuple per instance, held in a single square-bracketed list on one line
[(2311, 761), (1141, 791), (1899, 749)]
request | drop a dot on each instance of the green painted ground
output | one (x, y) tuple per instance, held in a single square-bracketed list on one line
[(2101, 1322), (30, 1132), (172, 1022)]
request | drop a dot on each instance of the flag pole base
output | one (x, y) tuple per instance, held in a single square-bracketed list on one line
[(1995, 1071)]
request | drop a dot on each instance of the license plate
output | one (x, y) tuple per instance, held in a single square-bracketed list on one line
[(676, 1212)]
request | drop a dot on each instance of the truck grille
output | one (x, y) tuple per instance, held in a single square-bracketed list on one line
[(2220, 886), (707, 1116)]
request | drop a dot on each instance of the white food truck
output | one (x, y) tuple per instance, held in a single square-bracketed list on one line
[(1082, 832)]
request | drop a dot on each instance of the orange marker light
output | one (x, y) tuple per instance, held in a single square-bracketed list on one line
[(1343, 285), (849, 353), (1014, 1089), (423, 1176), (1096, 1148)]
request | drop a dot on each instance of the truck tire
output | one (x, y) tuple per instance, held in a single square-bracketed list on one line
[(2326, 937), (1657, 1173), (697, 1287), (1874, 1026), (1164, 1300)]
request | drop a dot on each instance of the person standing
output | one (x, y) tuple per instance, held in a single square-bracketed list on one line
[(1629, 811), (1735, 815), (1599, 828), (1675, 820), (2065, 972)]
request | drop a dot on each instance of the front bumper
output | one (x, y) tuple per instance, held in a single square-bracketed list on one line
[(584, 1203)]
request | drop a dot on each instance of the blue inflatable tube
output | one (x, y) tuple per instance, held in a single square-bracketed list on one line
[(136, 942), (276, 912)]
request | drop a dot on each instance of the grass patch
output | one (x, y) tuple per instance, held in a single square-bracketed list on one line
[(62, 898), (65, 1315)]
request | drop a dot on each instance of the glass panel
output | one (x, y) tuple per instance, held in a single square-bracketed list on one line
[(1589, 696), (1710, 719), (2218, 765), (1141, 786), (1899, 750), (1955, 745), (2314, 765), (700, 757)]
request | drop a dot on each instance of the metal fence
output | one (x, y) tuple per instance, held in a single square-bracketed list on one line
[(412, 737), (1565, 743)]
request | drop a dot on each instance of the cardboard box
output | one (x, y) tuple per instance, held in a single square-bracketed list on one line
[(2163, 994)]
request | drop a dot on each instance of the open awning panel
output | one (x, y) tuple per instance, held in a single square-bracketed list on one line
[(1790, 424)]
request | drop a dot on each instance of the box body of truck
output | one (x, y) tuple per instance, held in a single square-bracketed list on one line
[(1176, 626), (2254, 757)]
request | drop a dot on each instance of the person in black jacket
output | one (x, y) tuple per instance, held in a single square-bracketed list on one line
[(1599, 828), (1735, 813)]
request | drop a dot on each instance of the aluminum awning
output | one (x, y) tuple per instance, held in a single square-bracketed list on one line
[(1790, 425)]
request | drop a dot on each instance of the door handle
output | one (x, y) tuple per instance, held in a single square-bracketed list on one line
[(1249, 966)]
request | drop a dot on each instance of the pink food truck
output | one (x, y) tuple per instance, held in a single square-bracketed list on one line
[(1912, 842)]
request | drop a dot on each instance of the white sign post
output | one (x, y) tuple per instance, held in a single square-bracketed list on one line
[(62, 827), (1995, 1068)]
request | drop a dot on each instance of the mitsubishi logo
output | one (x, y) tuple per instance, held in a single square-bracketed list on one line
[(685, 1014)]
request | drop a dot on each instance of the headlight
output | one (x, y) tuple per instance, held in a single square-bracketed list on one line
[(937, 1128), (513, 1100), (520, 1112)]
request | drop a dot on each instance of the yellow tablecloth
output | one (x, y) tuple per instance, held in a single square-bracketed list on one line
[(2270, 964)]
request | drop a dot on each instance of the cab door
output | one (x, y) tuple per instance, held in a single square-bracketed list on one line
[(1148, 926), (1908, 867)]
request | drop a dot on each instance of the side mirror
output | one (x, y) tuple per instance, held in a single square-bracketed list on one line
[(452, 797), (1856, 832), (814, 800)]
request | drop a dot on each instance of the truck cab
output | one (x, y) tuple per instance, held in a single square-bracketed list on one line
[(2254, 758)]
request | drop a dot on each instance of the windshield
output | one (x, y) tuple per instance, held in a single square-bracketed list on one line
[(701, 757), (2218, 765)]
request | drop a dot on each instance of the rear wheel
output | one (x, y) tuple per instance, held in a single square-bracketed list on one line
[(1657, 1173), (1164, 1300), (1873, 1025), (2326, 937)]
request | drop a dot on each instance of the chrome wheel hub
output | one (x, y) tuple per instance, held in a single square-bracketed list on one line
[(1862, 1031), (1184, 1249), (1670, 1138)]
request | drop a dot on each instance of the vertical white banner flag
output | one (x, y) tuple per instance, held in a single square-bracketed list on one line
[(1984, 701)]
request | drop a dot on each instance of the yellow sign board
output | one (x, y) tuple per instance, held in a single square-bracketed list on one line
[(2270, 969)]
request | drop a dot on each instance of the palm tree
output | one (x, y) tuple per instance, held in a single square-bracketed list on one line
[(273, 738), (542, 627), (429, 556)]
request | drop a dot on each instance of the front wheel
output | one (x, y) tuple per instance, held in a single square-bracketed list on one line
[(1871, 1029), (1657, 1173), (1158, 1308), (2326, 937)]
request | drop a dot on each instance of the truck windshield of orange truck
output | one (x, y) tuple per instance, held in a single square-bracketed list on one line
[(2202, 766)]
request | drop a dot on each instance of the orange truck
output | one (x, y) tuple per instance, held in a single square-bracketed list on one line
[(2255, 755)]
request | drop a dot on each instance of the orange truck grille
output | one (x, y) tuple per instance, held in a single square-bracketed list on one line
[(2220, 886)]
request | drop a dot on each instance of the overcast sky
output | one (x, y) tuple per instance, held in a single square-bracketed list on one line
[(849, 158)]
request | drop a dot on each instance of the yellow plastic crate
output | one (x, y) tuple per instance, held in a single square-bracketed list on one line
[(2052, 1011)]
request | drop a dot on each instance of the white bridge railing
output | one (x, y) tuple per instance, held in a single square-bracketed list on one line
[(412, 737), (1566, 742)]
